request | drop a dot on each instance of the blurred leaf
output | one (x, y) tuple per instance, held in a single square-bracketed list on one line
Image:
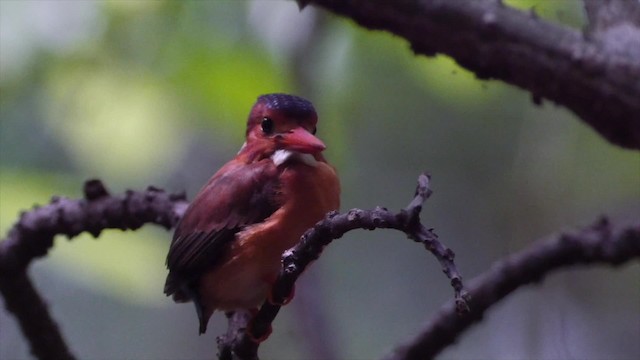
[(54, 26), (224, 80), (439, 76), (454, 85), (133, 7), (115, 123)]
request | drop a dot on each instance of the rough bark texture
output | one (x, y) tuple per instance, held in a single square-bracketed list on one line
[(296, 260), (594, 73), (32, 237)]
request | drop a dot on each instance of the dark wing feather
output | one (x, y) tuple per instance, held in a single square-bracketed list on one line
[(236, 196)]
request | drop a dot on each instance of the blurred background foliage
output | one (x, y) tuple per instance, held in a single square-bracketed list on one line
[(157, 92)]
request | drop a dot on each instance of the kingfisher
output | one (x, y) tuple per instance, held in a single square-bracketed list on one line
[(226, 250)]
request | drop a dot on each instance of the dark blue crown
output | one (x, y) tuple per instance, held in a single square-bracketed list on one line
[(291, 105)]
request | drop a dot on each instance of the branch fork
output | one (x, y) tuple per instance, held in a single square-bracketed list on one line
[(238, 344)]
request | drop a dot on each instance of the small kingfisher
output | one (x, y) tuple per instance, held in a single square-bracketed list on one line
[(226, 250)]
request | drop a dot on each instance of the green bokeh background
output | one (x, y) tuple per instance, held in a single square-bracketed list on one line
[(157, 92)]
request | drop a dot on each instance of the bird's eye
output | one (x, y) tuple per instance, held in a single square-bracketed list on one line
[(315, 129), (267, 125)]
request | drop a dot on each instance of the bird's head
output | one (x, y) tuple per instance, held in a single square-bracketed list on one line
[(281, 126)]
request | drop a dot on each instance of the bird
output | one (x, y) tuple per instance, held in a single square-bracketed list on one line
[(226, 249)]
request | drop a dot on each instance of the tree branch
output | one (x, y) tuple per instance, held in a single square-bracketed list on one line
[(22, 299), (32, 236), (238, 344), (601, 243), (603, 14), (594, 76)]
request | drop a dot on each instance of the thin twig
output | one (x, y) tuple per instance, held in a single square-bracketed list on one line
[(601, 243), (334, 226)]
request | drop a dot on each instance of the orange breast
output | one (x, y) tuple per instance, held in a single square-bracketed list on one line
[(253, 262)]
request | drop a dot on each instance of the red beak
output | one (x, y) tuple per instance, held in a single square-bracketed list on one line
[(301, 140)]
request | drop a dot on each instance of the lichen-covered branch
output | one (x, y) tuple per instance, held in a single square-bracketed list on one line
[(294, 261), (601, 243), (594, 73), (32, 236)]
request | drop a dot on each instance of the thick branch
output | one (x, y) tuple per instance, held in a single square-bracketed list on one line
[(603, 14), (596, 77), (294, 261), (600, 243), (32, 236)]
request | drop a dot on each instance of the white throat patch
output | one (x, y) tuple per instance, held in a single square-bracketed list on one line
[(242, 147), (281, 156)]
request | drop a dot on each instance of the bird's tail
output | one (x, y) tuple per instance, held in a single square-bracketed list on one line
[(173, 287), (203, 319), (181, 293)]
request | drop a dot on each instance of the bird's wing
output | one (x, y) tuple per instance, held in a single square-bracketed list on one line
[(236, 196)]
